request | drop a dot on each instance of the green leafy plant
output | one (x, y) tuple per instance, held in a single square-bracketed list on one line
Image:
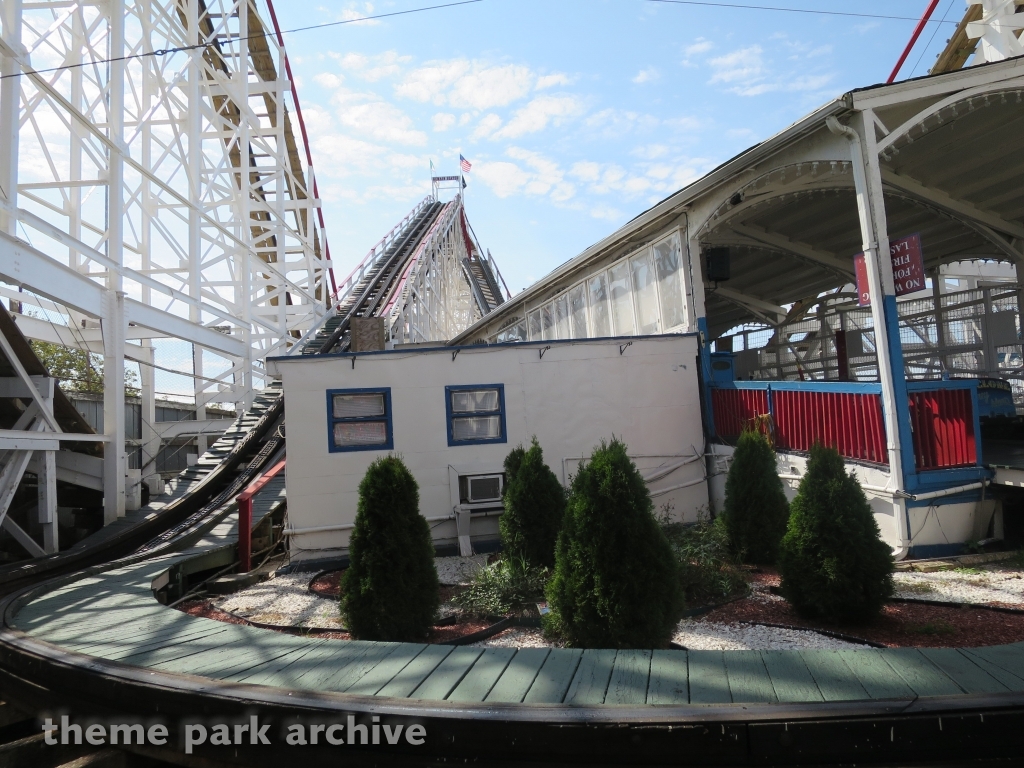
[(78, 370), (707, 569), (534, 507), (510, 585), (616, 582), (756, 509), (834, 565), (390, 589)]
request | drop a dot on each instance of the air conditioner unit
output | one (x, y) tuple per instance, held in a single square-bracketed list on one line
[(476, 491)]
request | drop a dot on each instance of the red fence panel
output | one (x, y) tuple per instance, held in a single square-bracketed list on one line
[(943, 424), (850, 422), (734, 408)]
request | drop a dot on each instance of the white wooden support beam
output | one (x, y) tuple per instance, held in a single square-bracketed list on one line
[(795, 247), (11, 386), (22, 538), (951, 204), (12, 473), (46, 493), (751, 303), (45, 408)]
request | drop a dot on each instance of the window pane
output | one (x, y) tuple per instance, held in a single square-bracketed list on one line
[(599, 318), (622, 305), (578, 310), (516, 332), (668, 263), (645, 295), (360, 433), (354, 406), (471, 401), (476, 428), (547, 322), (562, 317), (533, 319)]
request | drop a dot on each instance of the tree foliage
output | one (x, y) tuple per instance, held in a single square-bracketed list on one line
[(78, 370), (756, 509), (616, 582), (534, 507), (834, 565), (390, 589)]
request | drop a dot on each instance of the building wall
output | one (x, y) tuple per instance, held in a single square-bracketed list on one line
[(571, 395)]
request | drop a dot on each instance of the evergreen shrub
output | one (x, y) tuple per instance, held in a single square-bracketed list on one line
[(616, 582), (756, 509), (390, 589), (534, 507), (834, 565)]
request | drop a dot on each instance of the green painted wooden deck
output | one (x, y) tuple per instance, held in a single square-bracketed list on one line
[(114, 616)]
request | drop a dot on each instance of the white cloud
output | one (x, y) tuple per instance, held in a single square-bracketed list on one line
[(586, 171), (382, 121), (646, 75), (487, 126), (372, 68), (504, 179), (541, 176), (700, 46), (467, 85), (615, 123), (536, 116), (745, 64), (443, 121), (359, 11), (550, 81), (329, 80)]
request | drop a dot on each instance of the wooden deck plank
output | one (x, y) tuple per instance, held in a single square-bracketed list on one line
[(479, 681), (833, 676), (162, 645), (518, 676), (875, 675), (790, 677), (348, 675), (1002, 660), (554, 677), (228, 661), (628, 684), (329, 659), (285, 672), (962, 671), (370, 683), (669, 682), (167, 652), (709, 680), (113, 645), (416, 671), (590, 683), (748, 678), (919, 673), (449, 673)]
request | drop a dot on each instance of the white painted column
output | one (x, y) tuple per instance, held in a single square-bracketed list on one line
[(46, 482), (113, 321), (10, 98)]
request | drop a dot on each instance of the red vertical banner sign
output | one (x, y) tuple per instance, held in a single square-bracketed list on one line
[(907, 268)]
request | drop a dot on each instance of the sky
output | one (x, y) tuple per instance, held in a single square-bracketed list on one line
[(576, 115)]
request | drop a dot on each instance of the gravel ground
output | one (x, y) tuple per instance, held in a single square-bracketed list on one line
[(456, 571), (517, 637), (700, 635), (993, 584), (283, 600)]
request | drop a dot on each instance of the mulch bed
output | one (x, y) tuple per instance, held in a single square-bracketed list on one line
[(900, 625)]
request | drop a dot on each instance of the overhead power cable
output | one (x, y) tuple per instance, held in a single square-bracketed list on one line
[(268, 33), (782, 9)]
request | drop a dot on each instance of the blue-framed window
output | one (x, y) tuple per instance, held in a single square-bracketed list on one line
[(359, 420), (476, 414)]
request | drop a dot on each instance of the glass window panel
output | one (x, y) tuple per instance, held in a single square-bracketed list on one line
[(600, 320), (357, 406), (622, 304), (668, 264), (515, 332), (476, 428), (578, 311), (471, 401), (645, 293), (360, 433), (562, 317), (533, 320), (547, 322)]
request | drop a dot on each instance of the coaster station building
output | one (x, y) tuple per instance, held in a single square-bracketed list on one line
[(749, 274)]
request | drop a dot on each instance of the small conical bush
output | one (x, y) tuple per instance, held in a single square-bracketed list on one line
[(616, 582), (756, 509), (834, 565), (390, 590), (534, 507)]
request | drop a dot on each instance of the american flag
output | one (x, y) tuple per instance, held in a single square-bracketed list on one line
[(466, 165)]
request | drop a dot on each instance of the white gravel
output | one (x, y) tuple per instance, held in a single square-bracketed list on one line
[(284, 600), (456, 571), (984, 584), (517, 637), (698, 635)]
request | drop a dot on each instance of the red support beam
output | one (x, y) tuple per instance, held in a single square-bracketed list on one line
[(245, 515), (913, 38)]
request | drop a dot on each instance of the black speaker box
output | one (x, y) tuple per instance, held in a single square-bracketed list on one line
[(716, 264)]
